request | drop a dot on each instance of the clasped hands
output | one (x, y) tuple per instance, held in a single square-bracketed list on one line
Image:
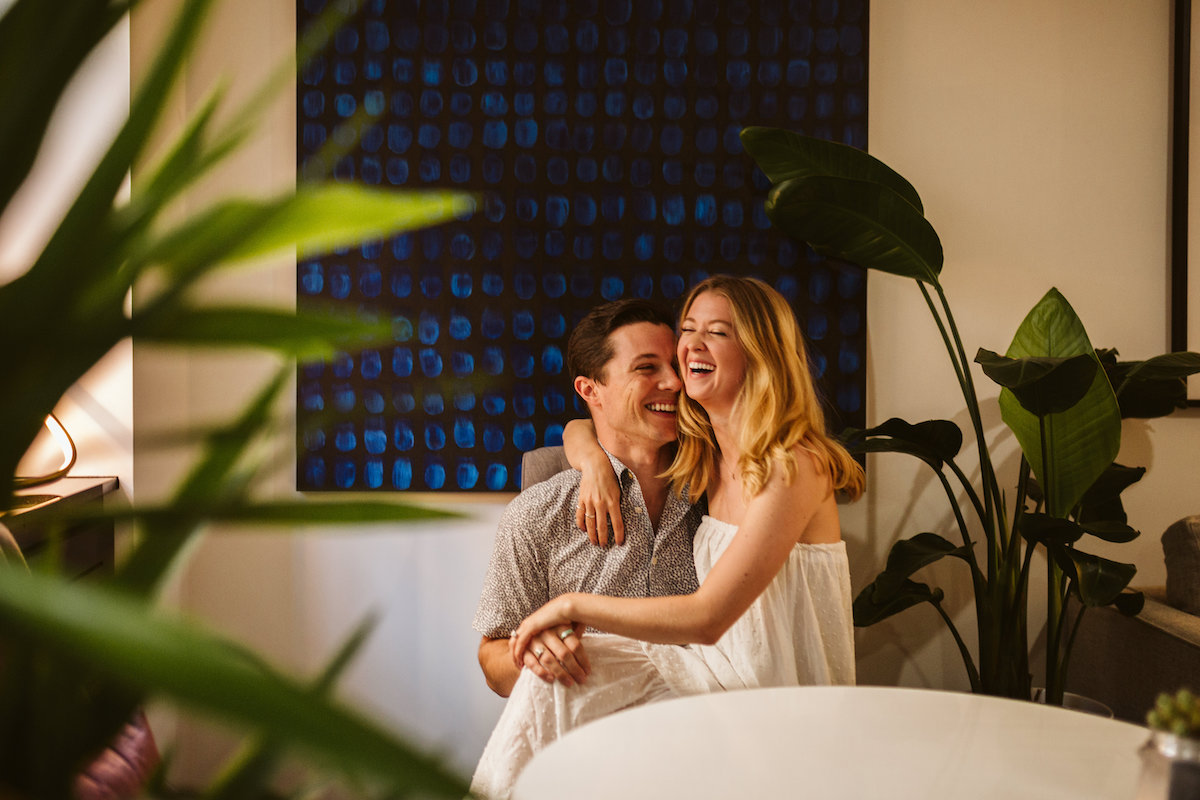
[(551, 646)]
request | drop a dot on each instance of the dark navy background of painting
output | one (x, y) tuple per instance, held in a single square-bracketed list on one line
[(602, 135)]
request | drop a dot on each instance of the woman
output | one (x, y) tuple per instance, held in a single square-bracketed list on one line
[(773, 607)]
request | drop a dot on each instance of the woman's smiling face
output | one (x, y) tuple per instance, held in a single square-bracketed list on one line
[(711, 359)]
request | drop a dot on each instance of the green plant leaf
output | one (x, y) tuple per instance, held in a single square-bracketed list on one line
[(1152, 388), (1168, 366), (887, 596), (1042, 384), (864, 223), (302, 334), (314, 220), (1111, 531), (1044, 529), (1102, 501), (892, 591), (84, 232), (1080, 442), (122, 638), (209, 482), (1096, 581), (909, 555), (1130, 603), (934, 441), (249, 773), (282, 513), (783, 155)]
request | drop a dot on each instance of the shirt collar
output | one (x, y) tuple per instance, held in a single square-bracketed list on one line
[(625, 474)]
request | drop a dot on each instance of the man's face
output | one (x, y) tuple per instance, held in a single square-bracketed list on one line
[(638, 396)]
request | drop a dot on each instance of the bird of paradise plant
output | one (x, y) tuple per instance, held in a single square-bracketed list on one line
[(1062, 399)]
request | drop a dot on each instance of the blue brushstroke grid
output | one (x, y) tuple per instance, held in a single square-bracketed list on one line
[(603, 138)]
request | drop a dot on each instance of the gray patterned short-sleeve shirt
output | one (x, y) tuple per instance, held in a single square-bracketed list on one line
[(539, 553)]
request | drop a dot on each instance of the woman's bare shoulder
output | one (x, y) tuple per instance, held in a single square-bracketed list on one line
[(807, 497)]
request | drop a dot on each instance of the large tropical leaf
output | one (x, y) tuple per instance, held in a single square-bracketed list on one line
[(887, 596), (865, 223), (1080, 442), (133, 646), (1102, 501), (1044, 529), (783, 155), (909, 555), (1042, 385), (934, 441), (1151, 388), (892, 591), (1168, 366), (1096, 581), (1111, 531)]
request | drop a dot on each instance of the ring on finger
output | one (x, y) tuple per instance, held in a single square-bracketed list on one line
[(589, 516), (563, 634), (538, 651)]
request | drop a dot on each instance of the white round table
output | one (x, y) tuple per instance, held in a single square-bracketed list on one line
[(840, 742)]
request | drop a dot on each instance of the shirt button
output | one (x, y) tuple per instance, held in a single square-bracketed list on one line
[(654, 561)]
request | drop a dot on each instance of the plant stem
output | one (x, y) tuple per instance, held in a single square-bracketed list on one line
[(963, 367), (972, 672), (967, 488), (993, 643), (1055, 601), (977, 580), (1066, 659)]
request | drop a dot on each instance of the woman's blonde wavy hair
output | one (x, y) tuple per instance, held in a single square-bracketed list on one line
[(778, 400)]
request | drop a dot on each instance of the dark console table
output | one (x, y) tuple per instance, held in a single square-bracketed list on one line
[(87, 547)]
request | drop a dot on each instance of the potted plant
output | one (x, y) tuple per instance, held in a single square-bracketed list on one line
[(1062, 399), (1171, 757), (76, 658)]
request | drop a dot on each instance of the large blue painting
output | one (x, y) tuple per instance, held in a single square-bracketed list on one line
[(603, 135)]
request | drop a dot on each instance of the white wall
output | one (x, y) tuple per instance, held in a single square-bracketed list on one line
[(1036, 134)]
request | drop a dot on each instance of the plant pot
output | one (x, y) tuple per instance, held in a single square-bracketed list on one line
[(1077, 702), (1170, 768)]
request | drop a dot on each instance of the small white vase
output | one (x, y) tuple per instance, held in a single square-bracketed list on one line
[(1077, 702), (1170, 768)]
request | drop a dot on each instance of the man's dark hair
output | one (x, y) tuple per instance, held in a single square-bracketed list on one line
[(589, 350)]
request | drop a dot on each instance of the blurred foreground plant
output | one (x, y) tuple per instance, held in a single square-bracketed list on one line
[(1178, 714), (76, 659)]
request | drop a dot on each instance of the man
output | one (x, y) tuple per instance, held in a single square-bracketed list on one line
[(622, 356)]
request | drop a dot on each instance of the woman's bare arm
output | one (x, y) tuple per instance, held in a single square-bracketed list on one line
[(599, 494), (775, 521)]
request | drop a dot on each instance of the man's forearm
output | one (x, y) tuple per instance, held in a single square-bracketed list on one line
[(497, 665)]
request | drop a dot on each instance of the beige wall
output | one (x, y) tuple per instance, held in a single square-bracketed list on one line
[(1036, 134)]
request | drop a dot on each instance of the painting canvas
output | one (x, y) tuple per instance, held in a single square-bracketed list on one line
[(602, 136)]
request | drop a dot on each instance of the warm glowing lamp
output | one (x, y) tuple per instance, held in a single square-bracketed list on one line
[(65, 444)]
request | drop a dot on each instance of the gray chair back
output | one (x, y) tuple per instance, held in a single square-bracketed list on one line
[(542, 463)]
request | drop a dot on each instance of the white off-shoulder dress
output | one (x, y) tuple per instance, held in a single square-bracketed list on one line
[(798, 632)]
